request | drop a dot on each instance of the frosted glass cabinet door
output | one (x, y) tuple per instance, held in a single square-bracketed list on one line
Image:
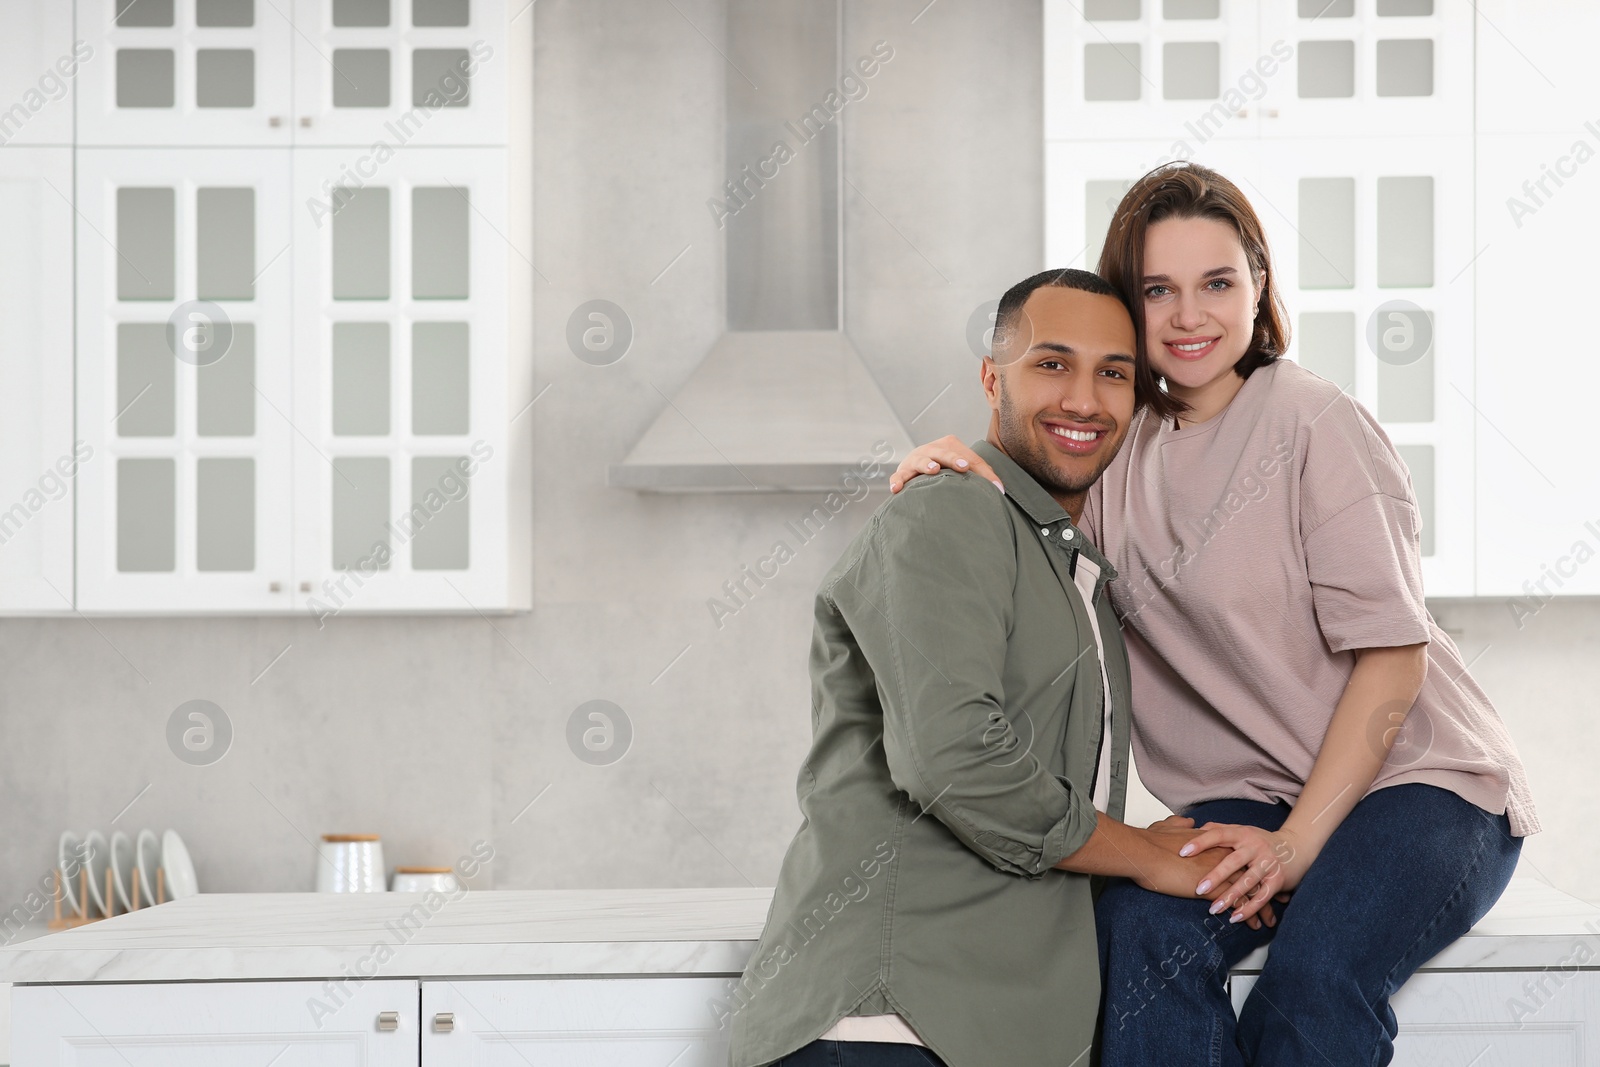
[(185, 72), (623, 1022), (203, 1024), (184, 371), (402, 465), (1179, 71), (39, 64), (38, 460), (1369, 68), (380, 75), (1376, 269)]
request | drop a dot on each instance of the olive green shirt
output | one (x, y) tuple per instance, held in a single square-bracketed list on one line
[(956, 728)]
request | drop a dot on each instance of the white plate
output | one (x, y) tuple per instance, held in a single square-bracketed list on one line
[(122, 872), (179, 867), (68, 855), (99, 863), (147, 857)]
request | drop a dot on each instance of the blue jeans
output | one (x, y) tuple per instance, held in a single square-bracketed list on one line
[(860, 1054), (1411, 869)]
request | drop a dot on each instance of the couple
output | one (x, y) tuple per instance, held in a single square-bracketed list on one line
[(961, 890)]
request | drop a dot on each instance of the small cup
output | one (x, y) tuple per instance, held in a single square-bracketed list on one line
[(350, 863), (424, 880)]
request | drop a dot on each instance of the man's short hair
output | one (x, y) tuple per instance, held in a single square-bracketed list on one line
[(1010, 309)]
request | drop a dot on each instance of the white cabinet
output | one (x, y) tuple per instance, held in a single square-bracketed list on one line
[(592, 1022), (1368, 68), (1179, 71), (1348, 125), (303, 334), (185, 72), (39, 459), (1538, 156), (1538, 523), (39, 62), (184, 379), (1489, 1018), (281, 72), (401, 72), (1376, 273), (201, 1024), (402, 391)]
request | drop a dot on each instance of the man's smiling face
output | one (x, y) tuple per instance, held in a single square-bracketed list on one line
[(1060, 384)]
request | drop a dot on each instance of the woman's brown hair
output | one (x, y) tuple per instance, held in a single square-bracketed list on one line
[(1190, 191)]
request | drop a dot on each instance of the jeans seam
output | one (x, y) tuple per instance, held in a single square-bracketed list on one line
[(1445, 909), (1215, 1041)]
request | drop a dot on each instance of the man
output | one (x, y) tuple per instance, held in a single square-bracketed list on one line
[(970, 741)]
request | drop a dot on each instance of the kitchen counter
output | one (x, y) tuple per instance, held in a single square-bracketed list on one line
[(480, 933), (498, 933)]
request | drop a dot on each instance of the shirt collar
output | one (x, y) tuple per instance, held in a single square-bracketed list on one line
[(1048, 516)]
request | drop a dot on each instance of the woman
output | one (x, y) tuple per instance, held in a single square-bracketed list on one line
[(1291, 694)]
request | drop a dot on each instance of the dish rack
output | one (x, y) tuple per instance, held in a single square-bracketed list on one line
[(81, 915)]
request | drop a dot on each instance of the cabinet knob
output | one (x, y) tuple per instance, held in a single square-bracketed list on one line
[(275, 120), (388, 1020), (274, 587), (444, 1022), (305, 120), (305, 587)]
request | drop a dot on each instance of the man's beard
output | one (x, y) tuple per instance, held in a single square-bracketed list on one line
[(1017, 439)]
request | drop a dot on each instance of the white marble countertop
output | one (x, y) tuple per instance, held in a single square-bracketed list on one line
[(504, 933)]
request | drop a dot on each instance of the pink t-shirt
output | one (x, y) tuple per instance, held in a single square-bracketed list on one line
[(1254, 552)]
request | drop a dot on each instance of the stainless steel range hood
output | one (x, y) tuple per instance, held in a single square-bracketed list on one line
[(782, 401)]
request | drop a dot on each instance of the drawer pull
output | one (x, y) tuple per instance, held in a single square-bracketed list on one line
[(388, 1020), (444, 1022)]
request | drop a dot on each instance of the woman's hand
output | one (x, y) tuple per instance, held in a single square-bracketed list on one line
[(948, 451), (1260, 865), (1175, 875)]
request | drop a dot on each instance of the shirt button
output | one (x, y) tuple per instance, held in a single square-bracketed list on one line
[(1044, 531), (1066, 535)]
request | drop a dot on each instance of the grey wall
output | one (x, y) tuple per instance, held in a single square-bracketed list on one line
[(436, 732)]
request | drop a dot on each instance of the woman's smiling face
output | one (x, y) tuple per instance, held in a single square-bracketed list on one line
[(1199, 301)]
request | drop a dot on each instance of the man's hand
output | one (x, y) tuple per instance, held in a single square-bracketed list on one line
[(1177, 875)]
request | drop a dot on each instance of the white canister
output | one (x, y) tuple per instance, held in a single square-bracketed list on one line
[(424, 880), (350, 863)]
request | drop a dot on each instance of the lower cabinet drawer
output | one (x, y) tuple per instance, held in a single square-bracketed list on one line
[(216, 1024), (592, 1022), (1490, 1018)]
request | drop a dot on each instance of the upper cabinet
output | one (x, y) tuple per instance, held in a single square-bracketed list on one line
[(1348, 125), (39, 457), (303, 348), (1193, 71), (184, 379), (357, 73), (1538, 157), (408, 430), (1367, 68), (39, 63), (185, 72), (400, 72)]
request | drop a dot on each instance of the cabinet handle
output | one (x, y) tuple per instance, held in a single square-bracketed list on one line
[(444, 1022), (388, 1020)]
